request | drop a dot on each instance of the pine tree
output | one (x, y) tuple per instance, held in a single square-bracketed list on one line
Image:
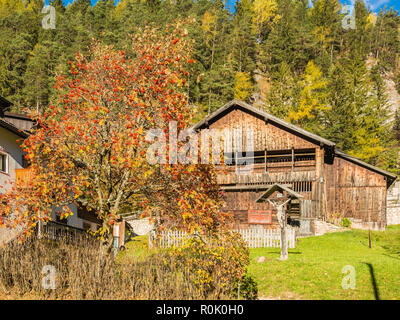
[(396, 127), (283, 93), (38, 77), (243, 38)]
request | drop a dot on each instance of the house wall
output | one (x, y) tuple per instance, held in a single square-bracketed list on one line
[(9, 145), (393, 205)]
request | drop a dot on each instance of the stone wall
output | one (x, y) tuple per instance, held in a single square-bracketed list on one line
[(140, 226), (393, 204), (321, 227)]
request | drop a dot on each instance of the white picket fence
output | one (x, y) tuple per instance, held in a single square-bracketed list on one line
[(254, 238), (267, 238)]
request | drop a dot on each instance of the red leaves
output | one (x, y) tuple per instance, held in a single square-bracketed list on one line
[(175, 41)]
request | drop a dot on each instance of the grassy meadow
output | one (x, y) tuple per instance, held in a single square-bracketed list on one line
[(314, 267)]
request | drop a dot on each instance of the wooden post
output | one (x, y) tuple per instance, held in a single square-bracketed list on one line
[(369, 220), (292, 158), (282, 223)]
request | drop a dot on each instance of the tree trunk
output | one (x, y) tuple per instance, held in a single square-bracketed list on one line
[(107, 244)]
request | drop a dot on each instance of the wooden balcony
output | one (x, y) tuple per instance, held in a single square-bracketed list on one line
[(23, 176)]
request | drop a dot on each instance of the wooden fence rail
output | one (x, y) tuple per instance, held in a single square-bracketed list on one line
[(254, 238), (61, 232), (267, 238)]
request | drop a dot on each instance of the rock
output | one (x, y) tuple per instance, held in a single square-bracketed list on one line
[(261, 259)]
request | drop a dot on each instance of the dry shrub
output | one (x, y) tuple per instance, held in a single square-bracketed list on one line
[(215, 264), (82, 272)]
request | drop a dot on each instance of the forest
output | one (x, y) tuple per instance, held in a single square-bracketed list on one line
[(294, 60)]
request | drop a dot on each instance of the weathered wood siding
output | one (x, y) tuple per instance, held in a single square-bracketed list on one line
[(332, 188), (355, 192), (268, 137)]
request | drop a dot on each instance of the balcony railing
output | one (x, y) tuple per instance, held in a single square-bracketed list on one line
[(60, 232)]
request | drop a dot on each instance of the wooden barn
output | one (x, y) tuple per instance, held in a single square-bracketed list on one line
[(261, 150)]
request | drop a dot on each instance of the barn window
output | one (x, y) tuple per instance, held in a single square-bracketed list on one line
[(290, 160), (3, 163)]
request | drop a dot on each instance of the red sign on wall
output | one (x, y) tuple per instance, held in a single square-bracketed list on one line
[(260, 217)]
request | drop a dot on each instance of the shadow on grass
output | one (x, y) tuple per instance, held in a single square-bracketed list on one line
[(373, 280)]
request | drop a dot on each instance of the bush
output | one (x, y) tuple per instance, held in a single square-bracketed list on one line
[(82, 272), (346, 222), (248, 288), (198, 271), (216, 264)]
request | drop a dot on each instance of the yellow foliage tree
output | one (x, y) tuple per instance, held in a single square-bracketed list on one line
[(11, 6), (313, 96), (243, 86), (265, 15)]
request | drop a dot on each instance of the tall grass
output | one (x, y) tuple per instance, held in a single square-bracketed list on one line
[(82, 272)]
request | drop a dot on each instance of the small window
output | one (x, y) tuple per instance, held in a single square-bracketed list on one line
[(3, 163)]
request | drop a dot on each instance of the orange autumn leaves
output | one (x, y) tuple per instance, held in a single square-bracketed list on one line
[(90, 147)]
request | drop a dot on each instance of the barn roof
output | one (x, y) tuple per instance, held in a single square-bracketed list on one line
[(237, 104), (266, 116)]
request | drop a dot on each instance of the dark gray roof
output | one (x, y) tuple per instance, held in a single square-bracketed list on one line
[(269, 117), (10, 127), (4, 103)]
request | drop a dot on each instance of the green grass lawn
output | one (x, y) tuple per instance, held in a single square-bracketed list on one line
[(314, 267), (137, 247)]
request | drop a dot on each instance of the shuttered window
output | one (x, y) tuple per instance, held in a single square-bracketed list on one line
[(3, 162)]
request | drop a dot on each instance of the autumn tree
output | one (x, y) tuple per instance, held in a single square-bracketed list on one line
[(243, 86), (312, 99), (91, 146)]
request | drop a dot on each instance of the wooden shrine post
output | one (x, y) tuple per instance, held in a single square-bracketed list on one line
[(284, 196)]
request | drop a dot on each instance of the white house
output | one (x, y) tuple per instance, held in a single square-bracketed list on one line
[(15, 127)]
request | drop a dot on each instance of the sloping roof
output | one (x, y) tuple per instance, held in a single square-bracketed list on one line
[(4, 103), (345, 156), (278, 187), (10, 127), (268, 117)]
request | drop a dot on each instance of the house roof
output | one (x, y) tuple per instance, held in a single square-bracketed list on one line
[(281, 188), (237, 104), (4, 103), (10, 127)]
